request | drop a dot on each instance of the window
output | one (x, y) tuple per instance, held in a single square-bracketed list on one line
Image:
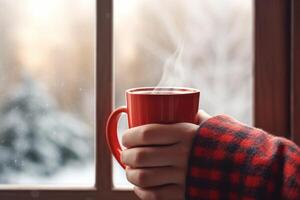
[(199, 44), (47, 123), (273, 47), (47, 105)]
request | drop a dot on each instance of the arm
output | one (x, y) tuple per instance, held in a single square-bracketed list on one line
[(230, 160), (223, 159)]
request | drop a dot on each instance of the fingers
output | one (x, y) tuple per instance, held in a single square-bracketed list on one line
[(159, 156), (156, 134), (151, 177), (168, 192), (150, 134)]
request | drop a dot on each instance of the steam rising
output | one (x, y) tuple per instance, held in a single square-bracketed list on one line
[(205, 45), (173, 70)]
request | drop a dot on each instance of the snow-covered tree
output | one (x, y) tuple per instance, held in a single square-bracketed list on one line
[(36, 137)]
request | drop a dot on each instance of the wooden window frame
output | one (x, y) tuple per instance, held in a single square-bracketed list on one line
[(295, 71), (276, 88), (272, 66), (277, 67)]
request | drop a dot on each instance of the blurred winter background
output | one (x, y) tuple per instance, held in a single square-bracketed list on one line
[(47, 63), (47, 92), (204, 44)]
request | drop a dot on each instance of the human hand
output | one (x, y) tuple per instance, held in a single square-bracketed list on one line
[(157, 158)]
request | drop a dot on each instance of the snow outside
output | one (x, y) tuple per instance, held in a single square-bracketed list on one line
[(47, 65)]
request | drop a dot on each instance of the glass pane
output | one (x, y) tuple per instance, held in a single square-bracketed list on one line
[(200, 44), (47, 92)]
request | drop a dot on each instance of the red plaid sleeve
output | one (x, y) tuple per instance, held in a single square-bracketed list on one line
[(230, 160)]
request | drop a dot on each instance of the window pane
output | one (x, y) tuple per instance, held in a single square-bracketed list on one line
[(201, 44), (47, 92)]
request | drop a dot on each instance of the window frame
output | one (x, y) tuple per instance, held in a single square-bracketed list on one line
[(295, 71), (272, 66), (276, 103), (277, 67), (105, 100)]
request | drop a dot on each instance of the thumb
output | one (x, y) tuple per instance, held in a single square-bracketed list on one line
[(203, 116)]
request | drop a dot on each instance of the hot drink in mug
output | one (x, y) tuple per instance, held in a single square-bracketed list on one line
[(150, 105)]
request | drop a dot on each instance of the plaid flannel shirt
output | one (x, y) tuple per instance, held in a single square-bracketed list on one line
[(230, 160)]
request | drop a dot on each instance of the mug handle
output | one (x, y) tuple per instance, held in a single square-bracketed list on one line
[(112, 133)]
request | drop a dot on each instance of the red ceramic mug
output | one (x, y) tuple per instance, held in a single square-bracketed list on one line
[(153, 105)]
